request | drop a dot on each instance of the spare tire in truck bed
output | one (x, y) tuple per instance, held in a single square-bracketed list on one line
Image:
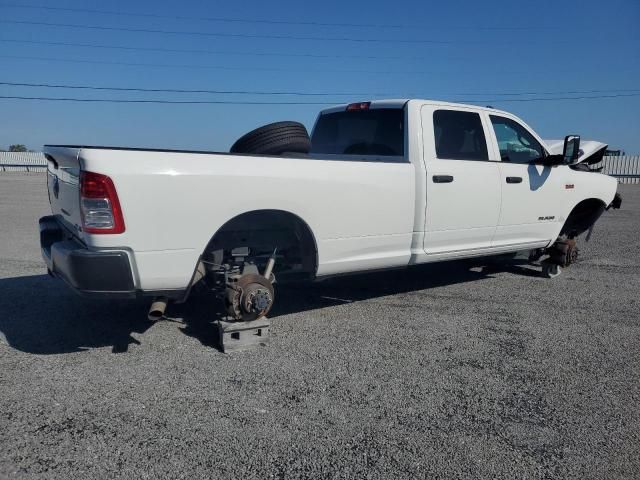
[(274, 139)]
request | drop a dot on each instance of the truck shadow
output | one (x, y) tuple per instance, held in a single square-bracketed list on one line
[(40, 315), (355, 288), (292, 299), (537, 179)]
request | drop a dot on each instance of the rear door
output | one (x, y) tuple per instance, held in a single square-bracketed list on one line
[(531, 192), (463, 186)]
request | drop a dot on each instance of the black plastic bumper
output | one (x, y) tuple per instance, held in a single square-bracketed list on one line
[(616, 203), (91, 273)]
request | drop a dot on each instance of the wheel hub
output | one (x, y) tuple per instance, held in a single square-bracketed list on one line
[(249, 297), (256, 299)]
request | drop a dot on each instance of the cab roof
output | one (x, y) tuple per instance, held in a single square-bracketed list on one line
[(401, 102)]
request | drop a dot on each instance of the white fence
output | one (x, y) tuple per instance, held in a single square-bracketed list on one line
[(22, 162), (626, 169)]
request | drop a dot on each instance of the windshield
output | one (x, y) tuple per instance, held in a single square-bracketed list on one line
[(362, 132)]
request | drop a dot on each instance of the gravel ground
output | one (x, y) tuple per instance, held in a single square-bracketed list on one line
[(443, 371)]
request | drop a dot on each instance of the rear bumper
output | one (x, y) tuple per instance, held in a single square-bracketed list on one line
[(90, 273)]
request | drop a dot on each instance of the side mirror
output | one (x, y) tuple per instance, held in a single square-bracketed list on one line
[(571, 149)]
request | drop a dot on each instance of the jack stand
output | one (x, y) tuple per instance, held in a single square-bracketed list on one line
[(234, 336), (551, 270)]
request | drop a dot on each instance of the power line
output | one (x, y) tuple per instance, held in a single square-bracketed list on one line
[(179, 90), (292, 93), (591, 97), (216, 67), (231, 35), (248, 68), (205, 51), (176, 102), (234, 102), (263, 36), (264, 21)]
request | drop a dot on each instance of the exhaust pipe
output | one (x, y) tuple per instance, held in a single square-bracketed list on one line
[(156, 312)]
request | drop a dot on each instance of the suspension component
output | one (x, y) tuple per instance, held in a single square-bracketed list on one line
[(535, 255), (270, 264)]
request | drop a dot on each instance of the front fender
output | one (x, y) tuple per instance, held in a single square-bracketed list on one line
[(591, 193), (585, 185)]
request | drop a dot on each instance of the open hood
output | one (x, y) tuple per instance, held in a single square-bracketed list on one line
[(591, 152)]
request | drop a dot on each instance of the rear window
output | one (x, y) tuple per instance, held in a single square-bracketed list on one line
[(377, 132), (459, 135)]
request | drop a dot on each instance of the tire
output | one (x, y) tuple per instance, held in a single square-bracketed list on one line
[(274, 139)]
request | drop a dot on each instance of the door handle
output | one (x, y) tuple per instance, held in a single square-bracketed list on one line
[(442, 178), (514, 179)]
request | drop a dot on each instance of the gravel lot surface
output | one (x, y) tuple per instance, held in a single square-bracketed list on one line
[(443, 371)]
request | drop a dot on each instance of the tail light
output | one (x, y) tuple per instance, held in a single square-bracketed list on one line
[(99, 204), (355, 107)]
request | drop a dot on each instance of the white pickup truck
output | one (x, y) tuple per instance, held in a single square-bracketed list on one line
[(384, 184)]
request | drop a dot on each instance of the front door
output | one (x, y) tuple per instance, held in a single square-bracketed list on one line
[(463, 184), (531, 191)]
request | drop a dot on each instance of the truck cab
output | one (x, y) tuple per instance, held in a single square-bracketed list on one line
[(485, 182)]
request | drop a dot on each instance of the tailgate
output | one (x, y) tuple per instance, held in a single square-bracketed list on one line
[(63, 183)]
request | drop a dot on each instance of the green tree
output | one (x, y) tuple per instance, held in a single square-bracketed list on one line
[(18, 147)]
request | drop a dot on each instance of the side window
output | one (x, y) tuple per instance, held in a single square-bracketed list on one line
[(459, 135), (516, 143)]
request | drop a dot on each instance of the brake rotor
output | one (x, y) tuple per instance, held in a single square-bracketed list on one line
[(569, 252), (564, 253), (572, 252), (249, 297)]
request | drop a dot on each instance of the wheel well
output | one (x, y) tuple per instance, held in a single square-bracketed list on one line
[(582, 217), (262, 231)]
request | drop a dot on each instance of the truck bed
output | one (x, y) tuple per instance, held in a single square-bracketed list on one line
[(174, 201)]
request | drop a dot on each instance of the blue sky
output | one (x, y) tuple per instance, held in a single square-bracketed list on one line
[(454, 50)]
